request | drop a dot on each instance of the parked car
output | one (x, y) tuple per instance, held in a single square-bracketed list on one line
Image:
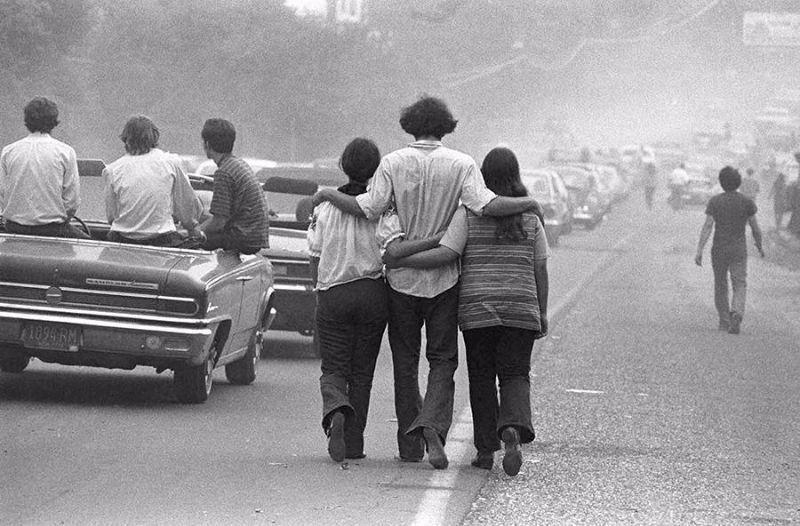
[(588, 203), (97, 303), (547, 187)]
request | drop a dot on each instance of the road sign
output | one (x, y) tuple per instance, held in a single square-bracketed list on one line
[(771, 29)]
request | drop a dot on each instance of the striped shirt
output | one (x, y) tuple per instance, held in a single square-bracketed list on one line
[(425, 181), (39, 183), (239, 198), (498, 284)]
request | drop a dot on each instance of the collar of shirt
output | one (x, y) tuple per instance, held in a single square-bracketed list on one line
[(38, 135), (430, 145)]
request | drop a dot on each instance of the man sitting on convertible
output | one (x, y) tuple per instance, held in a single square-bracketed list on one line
[(39, 184), (146, 190)]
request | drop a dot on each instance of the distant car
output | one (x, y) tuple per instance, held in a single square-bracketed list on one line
[(208, 167), (584, 190), (98, 303), (549, 190), (605, 192)]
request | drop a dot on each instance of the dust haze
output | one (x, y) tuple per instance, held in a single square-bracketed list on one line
[(532, 75)]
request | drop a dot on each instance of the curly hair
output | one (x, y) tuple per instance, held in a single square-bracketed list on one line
[(140, 135), (219, 134), (729, 178), (41, 115), (428, 116), (360, 159), (501, 173)]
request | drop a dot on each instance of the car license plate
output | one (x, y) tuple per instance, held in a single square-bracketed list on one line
[(54, 336)]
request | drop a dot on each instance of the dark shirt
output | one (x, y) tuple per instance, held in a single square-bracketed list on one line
[(731, 211), (239, 198)]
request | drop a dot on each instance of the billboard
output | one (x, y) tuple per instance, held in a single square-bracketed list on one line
[(771, 29)]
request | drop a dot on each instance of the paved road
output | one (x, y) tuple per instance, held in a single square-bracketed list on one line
[(645, 414)]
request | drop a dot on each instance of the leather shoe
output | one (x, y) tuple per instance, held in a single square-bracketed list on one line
[(436, 455), (736, 322), (512, 459), (336, 445), (483, 460)]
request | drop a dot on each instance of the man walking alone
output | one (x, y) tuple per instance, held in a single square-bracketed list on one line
[(728, 214)]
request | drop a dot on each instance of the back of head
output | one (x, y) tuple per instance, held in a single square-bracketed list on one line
[(219, 134), (500, 170), (428, 117), (360, 159), (140, 135), (729, 178), (41, 115)]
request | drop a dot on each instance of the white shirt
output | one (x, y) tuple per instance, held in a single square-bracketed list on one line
[(678, 177), (346, 246), (145, 194), (425, 181), (39, 183)]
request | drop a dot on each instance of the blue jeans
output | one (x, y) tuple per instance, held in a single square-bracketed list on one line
[(723, 265), (407, 314), (502, 353), (351, 319)]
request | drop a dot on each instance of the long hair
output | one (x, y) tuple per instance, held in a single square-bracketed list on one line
[(501, 173), (140, 135)]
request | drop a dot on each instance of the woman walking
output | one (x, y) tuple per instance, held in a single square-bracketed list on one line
[(502, 310), (352, 308)]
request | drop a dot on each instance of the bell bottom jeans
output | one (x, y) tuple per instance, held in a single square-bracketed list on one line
[(351, 319), (502, 353), (407, 314)]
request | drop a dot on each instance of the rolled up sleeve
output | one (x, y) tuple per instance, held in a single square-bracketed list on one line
[(455, 237), (379, 195), (474, 193), (185, 205), (70, 192)]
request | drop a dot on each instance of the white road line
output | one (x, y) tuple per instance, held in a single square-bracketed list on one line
[(433, 506), (584, 391)]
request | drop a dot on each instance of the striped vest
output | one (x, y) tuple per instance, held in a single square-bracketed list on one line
[(498, 286)]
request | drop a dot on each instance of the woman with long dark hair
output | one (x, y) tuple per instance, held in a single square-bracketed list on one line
[(502, 310)]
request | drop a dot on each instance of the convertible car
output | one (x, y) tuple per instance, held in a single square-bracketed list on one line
[(97, 303)]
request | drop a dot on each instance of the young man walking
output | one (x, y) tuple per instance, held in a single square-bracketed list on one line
[(727, 214), (425, 182)]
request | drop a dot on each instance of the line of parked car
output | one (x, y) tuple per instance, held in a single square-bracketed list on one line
[(575, 193)]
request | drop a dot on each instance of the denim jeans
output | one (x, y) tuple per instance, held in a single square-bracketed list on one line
[(351, 319), (502, 353), (407, 314), (735, 265)]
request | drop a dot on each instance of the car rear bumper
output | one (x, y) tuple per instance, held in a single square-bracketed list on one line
[(110, 342)]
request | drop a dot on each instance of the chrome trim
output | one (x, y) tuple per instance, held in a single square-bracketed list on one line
[(295, 288), (84, 322), (100, 292), (95, 242), (106, 314)]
